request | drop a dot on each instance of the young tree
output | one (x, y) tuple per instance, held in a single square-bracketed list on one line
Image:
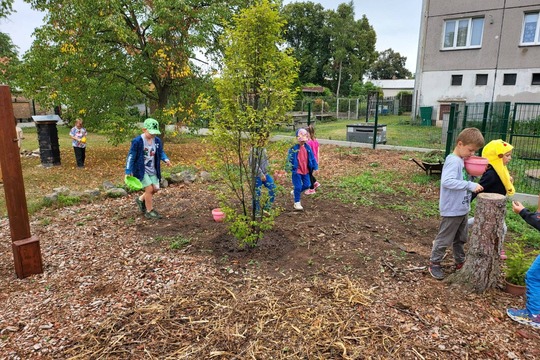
[(255, 90), (389, 65), (99, 57)]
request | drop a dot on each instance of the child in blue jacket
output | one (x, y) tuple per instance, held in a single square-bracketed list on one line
[(531, 314), (300, 160), (143, 162)]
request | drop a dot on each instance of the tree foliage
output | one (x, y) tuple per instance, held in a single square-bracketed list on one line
[(306, 32), (9, 60), (6, 7), (255, 92), (389, 65), (333, 48), (99, 57)]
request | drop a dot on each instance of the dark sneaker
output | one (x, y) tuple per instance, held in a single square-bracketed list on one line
[(436, 271), (523, 316), (153, 214), (140, 204)]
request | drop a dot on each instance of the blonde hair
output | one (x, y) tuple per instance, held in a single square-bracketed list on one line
[(311, 131), (471, 136)]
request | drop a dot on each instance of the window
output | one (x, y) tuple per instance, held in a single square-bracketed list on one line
[(509, 79), (463, 33), (530, 29), (535, 79), (457, 80), (481, 79)]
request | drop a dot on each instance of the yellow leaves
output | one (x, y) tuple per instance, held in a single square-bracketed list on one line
[(68, 49), (82, 112)]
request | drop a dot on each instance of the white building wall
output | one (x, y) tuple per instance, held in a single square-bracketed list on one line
[(436, 88)]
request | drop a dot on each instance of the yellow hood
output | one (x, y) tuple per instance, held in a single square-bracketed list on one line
[(494, 152)]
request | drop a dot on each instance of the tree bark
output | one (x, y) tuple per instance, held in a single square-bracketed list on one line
[(481, 269)]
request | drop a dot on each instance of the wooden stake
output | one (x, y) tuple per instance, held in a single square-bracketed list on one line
[(26, 249)]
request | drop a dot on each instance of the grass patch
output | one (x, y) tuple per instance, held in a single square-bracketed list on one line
[(399, 131), (175, 242)]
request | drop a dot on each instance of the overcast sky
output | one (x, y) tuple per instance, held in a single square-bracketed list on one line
[(396, 23)]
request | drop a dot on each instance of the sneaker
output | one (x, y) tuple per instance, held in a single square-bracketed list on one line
[(459, 266), (316, 185), (523, 316), (309, 191), (436, 271), (298, 206), (503, 255), (152, 214), (140, 204)]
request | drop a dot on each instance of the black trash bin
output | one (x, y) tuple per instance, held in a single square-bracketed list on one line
[(49, 148), (364, 133)]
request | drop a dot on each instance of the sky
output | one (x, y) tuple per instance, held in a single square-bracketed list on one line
[(396, 22)]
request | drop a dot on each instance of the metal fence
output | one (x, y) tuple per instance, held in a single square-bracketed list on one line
[(518, 124), (357, 108)]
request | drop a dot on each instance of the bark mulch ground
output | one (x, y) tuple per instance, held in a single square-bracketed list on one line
[(337, 281)]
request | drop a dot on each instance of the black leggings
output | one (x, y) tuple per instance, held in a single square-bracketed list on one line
[(80, 155), (312, 179)]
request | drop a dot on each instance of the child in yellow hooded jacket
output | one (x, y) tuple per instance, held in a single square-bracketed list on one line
[(497, 178)]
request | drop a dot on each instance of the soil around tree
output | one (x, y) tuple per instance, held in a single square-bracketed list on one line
[(336, 281)]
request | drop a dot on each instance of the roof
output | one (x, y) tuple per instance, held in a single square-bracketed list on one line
[(394, 84), (314, 89)]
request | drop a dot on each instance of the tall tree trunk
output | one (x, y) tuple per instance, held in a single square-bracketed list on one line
[(481, 269), (339, 78)]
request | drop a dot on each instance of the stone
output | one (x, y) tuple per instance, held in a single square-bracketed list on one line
[(108, 185), (62, 190), (91, 193), (116, 192), (205, 176), (51, 197)]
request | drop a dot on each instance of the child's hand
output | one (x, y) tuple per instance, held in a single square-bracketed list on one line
[(479, 188), (512, 179), (517, 206), (315, 172), (168, 162), (263, 178)]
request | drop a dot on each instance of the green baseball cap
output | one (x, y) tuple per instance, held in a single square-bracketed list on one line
[(152, 126)]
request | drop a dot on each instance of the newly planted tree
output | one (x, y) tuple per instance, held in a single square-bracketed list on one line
[(255, 92)]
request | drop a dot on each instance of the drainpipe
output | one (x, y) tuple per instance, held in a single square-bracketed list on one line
[(420, 58)]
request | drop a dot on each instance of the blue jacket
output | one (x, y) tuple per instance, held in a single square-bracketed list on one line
[(135, 159), (292, 158)]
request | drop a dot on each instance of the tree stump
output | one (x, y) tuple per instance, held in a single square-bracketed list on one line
[(481, 269)]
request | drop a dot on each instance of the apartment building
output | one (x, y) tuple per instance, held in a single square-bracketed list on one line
[(477, 51)]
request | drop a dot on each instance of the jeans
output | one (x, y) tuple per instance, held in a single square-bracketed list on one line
[(269, 184)]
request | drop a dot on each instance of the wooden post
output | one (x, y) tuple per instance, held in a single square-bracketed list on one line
[(25, 247), (482, 265)]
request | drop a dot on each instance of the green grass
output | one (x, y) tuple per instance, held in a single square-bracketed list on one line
[(399, 131)]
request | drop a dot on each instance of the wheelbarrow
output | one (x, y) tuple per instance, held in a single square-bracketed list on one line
[(430, 168)]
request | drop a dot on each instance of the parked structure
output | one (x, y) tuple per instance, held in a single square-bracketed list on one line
[(477, 51), (393, 87)]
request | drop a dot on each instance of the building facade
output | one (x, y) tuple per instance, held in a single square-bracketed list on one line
[(477, 51)]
